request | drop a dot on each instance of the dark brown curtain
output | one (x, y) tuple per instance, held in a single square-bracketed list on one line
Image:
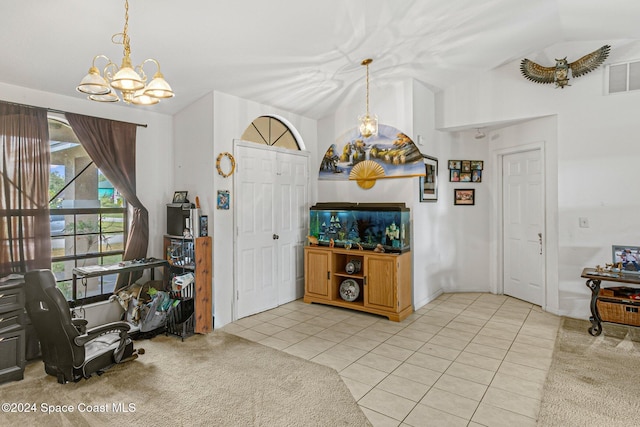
[(112, 147), (25, 241)]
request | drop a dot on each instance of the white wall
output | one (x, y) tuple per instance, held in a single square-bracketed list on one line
[(210, 126), (595, 160)]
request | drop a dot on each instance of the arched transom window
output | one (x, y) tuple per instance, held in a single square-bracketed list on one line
[(270, 131)]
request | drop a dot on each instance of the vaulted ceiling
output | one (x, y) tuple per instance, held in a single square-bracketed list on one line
[(301, 55)]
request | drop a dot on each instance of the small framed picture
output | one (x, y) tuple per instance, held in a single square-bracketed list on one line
[(477, 165), (466, 166), (223, 199), (180, 197), (628, 257), (476, 175), (464, 196), (204, 225), (429, 182), (454, 164), (465, 176), (454, 175)]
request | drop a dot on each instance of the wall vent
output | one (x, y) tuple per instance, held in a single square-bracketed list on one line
[(624, 77)]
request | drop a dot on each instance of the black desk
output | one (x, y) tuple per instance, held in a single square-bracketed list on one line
[(123, 267), (594, 279)]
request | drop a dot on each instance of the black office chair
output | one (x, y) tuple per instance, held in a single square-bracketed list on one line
[(69, 351)]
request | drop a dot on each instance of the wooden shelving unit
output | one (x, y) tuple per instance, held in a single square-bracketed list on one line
[(189, 255), (383, 280)]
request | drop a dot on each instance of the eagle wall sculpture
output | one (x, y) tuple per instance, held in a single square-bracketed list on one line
[(560, 73)]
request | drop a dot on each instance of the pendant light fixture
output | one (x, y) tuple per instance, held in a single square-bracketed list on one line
[(368, 124), (130, 81)]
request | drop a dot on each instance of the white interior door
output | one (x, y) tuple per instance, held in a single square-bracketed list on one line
[(292, 183), (271, 211), (523, 223), (256, 257)]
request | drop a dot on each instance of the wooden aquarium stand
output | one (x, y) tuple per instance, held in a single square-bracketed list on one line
[(383, 280)]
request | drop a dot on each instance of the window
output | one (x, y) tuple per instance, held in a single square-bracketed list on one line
[(88, 217), (270, 131), (624, 77)]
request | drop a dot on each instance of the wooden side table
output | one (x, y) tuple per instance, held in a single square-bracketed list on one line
[(627, 307)]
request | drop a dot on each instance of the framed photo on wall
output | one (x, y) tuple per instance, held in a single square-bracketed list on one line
[(464, 196), (429, 182), (223, 199)]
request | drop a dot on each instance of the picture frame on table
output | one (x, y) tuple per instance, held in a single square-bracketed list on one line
[(464, 196), (428, 184), (180, 196), (628, 257)]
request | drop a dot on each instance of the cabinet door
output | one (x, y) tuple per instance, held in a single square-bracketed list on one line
[(317, 276), (12, 356), (380, 287)]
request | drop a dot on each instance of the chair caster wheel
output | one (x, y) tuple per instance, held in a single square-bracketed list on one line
[(141, 351)]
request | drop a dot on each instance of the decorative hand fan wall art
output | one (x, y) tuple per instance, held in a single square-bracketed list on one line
[(560, 73), (389, 154)]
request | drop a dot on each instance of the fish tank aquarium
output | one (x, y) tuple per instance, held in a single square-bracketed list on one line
[(366, 225)]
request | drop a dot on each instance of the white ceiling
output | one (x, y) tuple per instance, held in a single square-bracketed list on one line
[(301, 55)]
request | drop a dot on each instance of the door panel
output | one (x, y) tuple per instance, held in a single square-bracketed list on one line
[(257, 266), (380, 281), (292, 179), (523, 226), (318, 274)]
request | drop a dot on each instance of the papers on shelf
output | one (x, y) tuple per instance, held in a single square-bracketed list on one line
[(12, 276)]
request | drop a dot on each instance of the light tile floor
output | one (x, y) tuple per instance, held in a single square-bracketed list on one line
[(465, 359)]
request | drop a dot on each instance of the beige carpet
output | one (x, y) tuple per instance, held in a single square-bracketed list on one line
[(217, 379), (593, 381)]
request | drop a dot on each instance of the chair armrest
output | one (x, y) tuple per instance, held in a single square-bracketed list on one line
[(80, 324), (92, 333)]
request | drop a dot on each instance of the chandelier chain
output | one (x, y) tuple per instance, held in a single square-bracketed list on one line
[(367, 89), (123, 37)]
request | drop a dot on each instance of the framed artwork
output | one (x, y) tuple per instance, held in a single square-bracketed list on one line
[(464, 196), (477, 165), (454, 175), (465, 176), (204, 225), (223, 199), (180, 196), (454, 164), (476, 175), (429, 182), (628, 257), (466, 166)]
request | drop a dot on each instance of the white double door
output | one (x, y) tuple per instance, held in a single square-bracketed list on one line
[(271, 211), (523, 225)]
